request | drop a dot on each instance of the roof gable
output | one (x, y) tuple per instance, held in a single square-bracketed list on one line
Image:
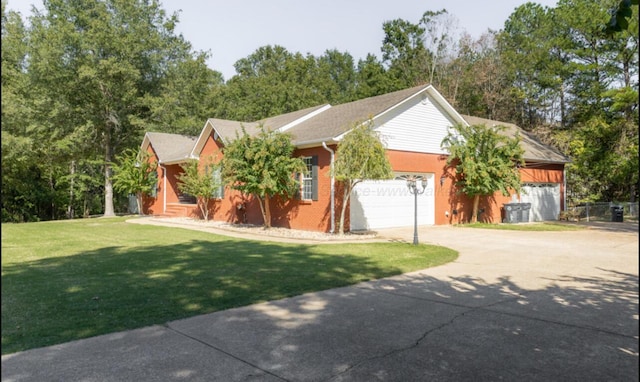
[(169, 148), (334, 122), (226, 130), (223, 130), (418, 124)]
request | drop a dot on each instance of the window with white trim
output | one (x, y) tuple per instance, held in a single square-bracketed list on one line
[(306, 180), (309, 179), (153, 180), (216, 178)]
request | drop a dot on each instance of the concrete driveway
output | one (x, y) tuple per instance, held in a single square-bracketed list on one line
[(515, 306)]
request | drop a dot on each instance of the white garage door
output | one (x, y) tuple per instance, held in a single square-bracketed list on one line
[(388, 203), (544, 199)]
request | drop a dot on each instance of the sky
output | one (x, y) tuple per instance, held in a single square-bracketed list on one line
[(233, 29)]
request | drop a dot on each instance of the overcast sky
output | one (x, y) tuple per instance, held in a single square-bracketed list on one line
[(231, 30)]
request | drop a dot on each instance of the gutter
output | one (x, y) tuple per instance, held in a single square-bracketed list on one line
[(314, 142), (179, 160), (333, 189)]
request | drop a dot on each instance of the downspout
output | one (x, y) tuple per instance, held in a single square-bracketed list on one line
[(333, 189), (164, 189), (564, 188)]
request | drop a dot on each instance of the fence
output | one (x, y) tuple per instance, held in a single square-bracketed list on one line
[(602, 211)]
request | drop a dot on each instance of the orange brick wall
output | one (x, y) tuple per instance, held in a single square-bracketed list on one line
[(447, 199), (307, 214), (292, 213)]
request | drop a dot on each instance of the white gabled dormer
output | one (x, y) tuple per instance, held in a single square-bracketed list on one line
[(419, 123), (202, 139)]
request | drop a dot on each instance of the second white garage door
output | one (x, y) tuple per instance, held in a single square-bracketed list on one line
[(544, 199), (388, 203)]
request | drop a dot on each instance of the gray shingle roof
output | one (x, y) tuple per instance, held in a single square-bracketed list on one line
[(171, 147), (332, 122), (534, 150), (340, 118), (228, 129), (279, 121)]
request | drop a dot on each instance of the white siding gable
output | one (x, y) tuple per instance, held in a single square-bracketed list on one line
[(418, 125)]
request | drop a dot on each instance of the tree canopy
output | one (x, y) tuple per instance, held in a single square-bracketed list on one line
[(485, 161), (202, 179), (262, 166), (135, 174), (360, 156)]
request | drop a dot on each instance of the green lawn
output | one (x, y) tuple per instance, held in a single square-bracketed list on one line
[(545, 226), (67, 280)]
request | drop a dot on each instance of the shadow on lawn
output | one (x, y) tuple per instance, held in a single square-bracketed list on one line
[(113, 289)]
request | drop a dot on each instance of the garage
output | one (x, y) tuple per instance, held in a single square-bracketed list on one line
[(544, 199), (388, 203)]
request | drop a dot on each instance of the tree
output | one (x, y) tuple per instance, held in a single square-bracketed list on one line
[(418, 53), (619, 16), (22, 183), (262, 166), (485, 160), (186, 99), (205, 185), (134, 174), (360, 155), (476, 83), (577, 82), (438, 39), (404, 53), (96, 63), (371, 78), (270, 81), (336, 76), (533, 49)]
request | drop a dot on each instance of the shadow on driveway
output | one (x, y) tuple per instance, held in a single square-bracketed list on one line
[(626, 226)]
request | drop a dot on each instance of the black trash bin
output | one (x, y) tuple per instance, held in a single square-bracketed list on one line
[(512, 212), (617, 214)]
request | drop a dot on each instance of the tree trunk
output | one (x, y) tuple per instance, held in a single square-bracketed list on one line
[(474, 214), (52, 188), (108, 185), (562, 107), (345, 200), (203, 203), (139, 202), (70, 210), (267, 212)]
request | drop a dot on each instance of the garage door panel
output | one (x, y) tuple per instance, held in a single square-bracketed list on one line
[(544, 199), (385, 204)]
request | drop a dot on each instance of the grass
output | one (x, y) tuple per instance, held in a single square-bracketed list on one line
[(545, 226), (68, 280)]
